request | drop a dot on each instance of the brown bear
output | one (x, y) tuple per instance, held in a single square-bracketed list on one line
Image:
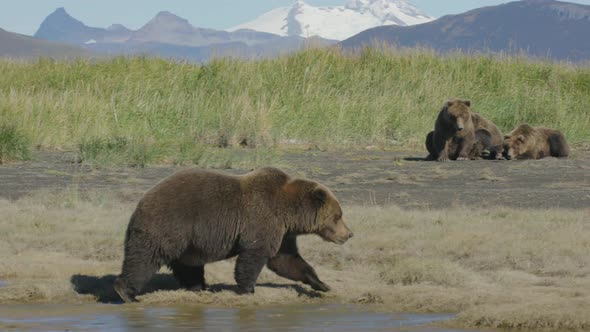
[(455, 136), (526, 142), (482, 147), (195, 217), (489, 135)]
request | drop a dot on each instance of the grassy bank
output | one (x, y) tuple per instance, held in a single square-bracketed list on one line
[(524, 269), (154, 111)]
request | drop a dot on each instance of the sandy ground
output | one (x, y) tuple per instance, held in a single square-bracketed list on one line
[(503, 244)]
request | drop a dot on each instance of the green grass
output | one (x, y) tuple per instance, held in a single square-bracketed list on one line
[(13, 144), (387, 98)]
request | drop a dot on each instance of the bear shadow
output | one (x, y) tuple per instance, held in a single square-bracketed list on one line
[(299, 289), (102, 287), (417, 159)]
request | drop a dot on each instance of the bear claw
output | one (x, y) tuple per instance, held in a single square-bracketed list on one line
[(321, 287), (123, 292)]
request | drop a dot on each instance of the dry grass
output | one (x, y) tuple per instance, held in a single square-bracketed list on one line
[(502, 268)]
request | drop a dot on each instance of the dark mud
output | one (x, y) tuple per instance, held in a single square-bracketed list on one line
[(358, 177)]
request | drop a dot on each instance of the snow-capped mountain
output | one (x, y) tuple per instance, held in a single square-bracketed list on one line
[(336, 22)]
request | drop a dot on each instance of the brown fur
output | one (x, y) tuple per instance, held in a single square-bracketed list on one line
[(455, 134), (195, 217), (492, 143), (526, 142), (453, 126)]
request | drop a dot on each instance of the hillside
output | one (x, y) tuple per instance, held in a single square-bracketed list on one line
[(15, 45), (541, 28)]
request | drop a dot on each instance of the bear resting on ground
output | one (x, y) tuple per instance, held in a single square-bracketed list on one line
[(526, 142), (195, 217), (460, 134)]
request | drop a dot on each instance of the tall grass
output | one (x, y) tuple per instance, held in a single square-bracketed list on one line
[(13, 144), (323, 97)]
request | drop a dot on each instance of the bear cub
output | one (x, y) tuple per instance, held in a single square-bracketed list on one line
[(526, 142)]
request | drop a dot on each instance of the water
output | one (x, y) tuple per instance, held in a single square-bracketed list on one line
[(281, 318)]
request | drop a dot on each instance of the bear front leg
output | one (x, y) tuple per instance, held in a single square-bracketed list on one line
[(441, 147), (295, 268), (465, 150), (289, 264), (443, 155), (432, 155), (248, 267)]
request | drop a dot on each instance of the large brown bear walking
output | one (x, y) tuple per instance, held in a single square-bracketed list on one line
[(526, 142), (195, 217), (460, 134)]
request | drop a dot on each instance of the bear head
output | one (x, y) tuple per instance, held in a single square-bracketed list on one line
[(319, 211), (329, 220), (517, 142), (458, 113)]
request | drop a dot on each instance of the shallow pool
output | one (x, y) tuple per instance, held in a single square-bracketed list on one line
[(280, 318)]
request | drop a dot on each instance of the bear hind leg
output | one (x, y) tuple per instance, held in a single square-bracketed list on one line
[(248, 267), (190, 277), (557, 146)]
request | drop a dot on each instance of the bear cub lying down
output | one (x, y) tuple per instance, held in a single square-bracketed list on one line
[(195, 217), (526, 142)]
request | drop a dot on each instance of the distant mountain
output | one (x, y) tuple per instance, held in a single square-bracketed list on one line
[(541, 28), (336, 22), (168, 28), (168, 35), (15, 45), (207, 52), (61, 27)]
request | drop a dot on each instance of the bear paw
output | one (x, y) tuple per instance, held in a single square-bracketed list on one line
[(320, 286), (245, 290), (127, 295), (462, 159)]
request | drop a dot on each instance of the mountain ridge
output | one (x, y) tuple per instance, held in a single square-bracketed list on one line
[(15, 45), (540, 28), (168, 35)]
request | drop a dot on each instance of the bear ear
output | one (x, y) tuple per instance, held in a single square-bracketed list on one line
[(520, 138), (449, 103), (467, 102), (507, 136), (319, 197)]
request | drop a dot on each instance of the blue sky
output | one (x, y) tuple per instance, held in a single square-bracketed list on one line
[(24, 16)]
